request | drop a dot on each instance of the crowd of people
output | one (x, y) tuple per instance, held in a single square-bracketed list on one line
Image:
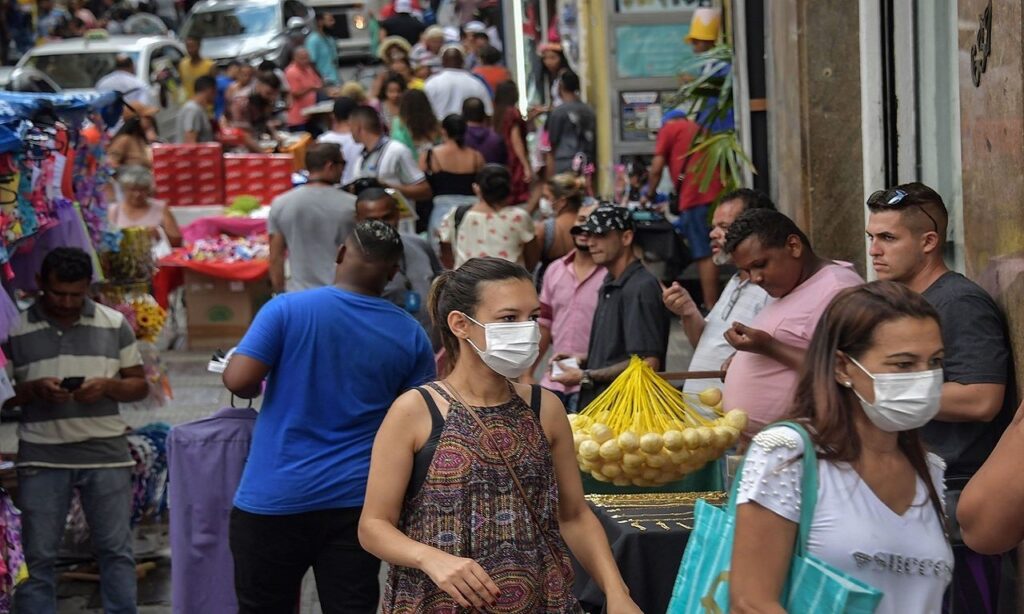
[(402, 418)]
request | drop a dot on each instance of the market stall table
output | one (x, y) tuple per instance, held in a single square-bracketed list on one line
[(647, 534)]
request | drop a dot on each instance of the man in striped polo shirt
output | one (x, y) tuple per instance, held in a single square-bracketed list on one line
[(74, 361)]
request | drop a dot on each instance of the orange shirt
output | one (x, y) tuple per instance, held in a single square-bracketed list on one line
[(493, 75)]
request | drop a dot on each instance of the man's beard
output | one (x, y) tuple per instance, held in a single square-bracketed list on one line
[(721, 258), (583, 248)]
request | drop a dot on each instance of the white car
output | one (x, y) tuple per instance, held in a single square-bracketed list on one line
[(78, 64)]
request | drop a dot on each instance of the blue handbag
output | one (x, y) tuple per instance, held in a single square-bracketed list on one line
[(702, 584)]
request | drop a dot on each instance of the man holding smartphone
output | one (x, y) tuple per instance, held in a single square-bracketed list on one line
[(74, 361)]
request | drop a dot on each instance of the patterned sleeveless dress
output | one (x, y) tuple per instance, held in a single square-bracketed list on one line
[(469, 506)]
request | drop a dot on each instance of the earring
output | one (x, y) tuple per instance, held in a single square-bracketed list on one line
[(848, 384)]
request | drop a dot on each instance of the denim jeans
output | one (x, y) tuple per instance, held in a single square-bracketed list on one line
[(44, 498)]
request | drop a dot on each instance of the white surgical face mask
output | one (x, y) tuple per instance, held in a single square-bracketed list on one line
[(903, 401), (547, 208), (512, 347)]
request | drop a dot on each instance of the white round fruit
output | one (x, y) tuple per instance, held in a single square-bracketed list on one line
[(630, 460), (600, 432), (611, 470), (691, 439), (674, 440), (629, 441), (651, 443), (590, 450), (610, 450)]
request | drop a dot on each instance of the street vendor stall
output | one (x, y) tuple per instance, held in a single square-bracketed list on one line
[(226, 277), (647, 534)]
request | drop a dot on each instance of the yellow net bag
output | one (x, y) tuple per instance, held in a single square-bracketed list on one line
[(642, 432)]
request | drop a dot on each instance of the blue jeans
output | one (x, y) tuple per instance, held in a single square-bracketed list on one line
[(44, 499)]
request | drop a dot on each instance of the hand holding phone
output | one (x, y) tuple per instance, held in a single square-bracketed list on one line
[(72, 384)]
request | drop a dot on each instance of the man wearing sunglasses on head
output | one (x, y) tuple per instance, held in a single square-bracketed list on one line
[(741, 300), (907, 233)]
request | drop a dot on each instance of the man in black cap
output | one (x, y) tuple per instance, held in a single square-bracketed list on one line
[(630, 318)]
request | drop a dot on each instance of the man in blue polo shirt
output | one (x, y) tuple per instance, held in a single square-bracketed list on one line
[(334, 359)]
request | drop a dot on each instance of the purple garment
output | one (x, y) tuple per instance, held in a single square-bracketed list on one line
[(206, 460), (488, 142), (67, 232)]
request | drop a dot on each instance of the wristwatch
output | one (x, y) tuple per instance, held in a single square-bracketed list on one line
[(586, 381)]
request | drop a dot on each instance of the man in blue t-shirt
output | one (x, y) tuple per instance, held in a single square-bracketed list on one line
[(334, 359)]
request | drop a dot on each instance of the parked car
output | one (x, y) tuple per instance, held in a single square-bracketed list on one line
[(351, 28), (247, 30), (77, 64)]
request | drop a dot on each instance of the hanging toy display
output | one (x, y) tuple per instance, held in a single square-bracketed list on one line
[(641, 432)]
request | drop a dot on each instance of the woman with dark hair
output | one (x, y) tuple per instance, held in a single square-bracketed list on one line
[(509, 123), (388, 98), (561, 199), (451, 169), (491, 227), (552, 64), (474, 496), (872, 377), (130, 146), (416, 126)]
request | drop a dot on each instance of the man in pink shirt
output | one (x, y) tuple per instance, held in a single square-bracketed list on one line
[(775, 253), (304, 82), (568, 300)]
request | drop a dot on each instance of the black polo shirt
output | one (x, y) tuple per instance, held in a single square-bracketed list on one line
[(630, 319)]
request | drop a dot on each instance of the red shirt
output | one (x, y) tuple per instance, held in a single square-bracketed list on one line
[(675, 139)]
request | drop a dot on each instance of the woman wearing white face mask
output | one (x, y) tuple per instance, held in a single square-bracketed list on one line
[(873, 375), (474, 494), (561, 199)]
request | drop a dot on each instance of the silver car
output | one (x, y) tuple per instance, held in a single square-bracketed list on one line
[(246, 30), (77, 64)]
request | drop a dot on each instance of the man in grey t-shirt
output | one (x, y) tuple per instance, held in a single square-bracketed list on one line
[(571, 128), (310, 223), (194, 119), (418, 267)]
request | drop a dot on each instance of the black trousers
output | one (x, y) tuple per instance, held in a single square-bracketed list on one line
[(273, 553)]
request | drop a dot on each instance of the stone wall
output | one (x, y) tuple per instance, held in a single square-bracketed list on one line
[(815, 122), (992, 146)]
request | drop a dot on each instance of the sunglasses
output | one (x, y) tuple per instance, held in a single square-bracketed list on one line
[(892, 199)]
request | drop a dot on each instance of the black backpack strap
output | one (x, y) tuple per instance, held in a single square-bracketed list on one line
[(460, 214), (535, 397)]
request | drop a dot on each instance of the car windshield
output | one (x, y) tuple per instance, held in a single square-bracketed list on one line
[(239, 20), (78, 69)]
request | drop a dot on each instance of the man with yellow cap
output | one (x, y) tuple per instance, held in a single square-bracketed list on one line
[(704, 26)]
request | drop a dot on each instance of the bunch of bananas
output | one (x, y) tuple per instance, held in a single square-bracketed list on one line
[(641, 431)]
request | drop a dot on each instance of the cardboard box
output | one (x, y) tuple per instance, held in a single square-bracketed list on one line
[(220, 311)]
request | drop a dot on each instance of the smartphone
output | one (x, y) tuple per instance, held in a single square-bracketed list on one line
[(558, 367), (72, 384)]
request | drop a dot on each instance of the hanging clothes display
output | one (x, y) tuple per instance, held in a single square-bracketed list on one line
[(206, 461), (148, 447), (13, 569)]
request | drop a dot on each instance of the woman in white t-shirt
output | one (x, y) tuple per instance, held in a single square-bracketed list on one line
[(490, 227), (872, 376)]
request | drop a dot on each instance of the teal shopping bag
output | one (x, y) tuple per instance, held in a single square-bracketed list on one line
[(702, 584)]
